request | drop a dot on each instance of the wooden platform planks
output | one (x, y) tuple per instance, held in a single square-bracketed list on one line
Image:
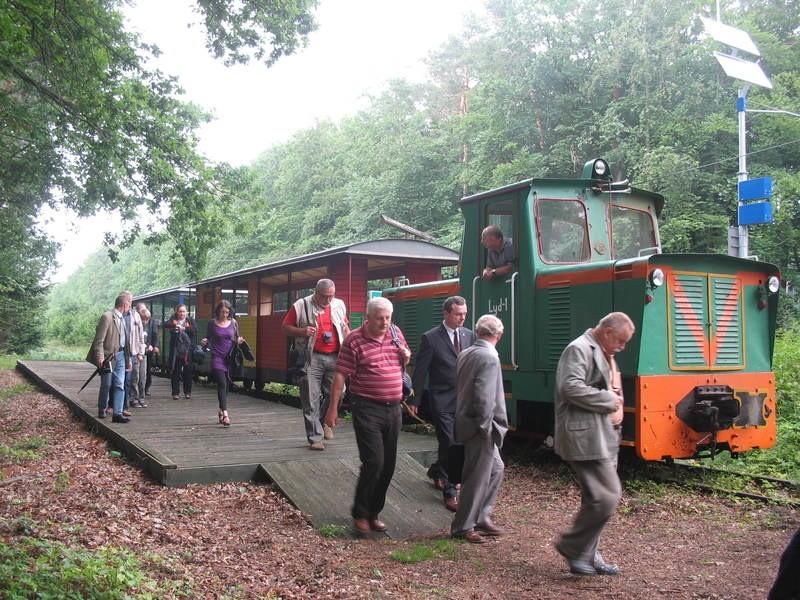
[(179, 442)]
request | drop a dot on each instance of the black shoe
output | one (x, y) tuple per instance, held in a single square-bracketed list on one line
[(119, 419), (101, 415), (147, 394)]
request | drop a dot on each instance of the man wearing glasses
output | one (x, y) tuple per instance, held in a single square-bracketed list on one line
[(318, 324)]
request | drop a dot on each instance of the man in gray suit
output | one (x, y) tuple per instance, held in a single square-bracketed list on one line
[(435, 373), (481, 425), (588, 410)]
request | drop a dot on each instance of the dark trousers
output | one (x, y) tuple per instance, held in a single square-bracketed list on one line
[(182, 372), (377, 428), (450, 459), (221, 377), (148, 380), (787, 583)]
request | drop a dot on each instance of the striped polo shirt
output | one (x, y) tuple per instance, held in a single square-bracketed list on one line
[(374, 367)]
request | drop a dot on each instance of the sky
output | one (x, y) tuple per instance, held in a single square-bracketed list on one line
[(358, 47)]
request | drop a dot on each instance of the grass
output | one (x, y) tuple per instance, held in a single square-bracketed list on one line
[(446, 548), (332, 531), (23, 450), (40, 568)]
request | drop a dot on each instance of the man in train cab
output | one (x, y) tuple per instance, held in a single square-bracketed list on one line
[(588, 422), (434, 382), (319, 325), (481, 425), (109, 353), (373, 357), (501, 257)]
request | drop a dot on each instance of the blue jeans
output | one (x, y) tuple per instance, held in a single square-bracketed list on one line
[(112, 382)]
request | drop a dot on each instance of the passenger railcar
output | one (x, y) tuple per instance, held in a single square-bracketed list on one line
[(697, 375)]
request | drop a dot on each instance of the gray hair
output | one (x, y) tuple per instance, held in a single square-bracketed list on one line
[(489, 325), (379, 303), (616, 321), (324, 284)]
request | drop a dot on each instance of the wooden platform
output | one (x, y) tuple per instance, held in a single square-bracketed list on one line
[(181, 442)]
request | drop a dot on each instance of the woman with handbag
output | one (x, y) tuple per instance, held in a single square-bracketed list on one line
[(183, 332), (223, 339)]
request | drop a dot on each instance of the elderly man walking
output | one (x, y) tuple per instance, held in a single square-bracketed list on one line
[(319, 325), (373, 357), (481, 425), (588, 410), (109, 352)]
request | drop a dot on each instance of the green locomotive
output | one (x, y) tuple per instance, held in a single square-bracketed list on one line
[(697, 376)]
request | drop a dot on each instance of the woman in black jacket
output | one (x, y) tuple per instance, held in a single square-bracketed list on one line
[(183, 332)]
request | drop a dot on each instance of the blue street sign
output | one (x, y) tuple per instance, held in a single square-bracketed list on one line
[(755, 213), (755, 189)]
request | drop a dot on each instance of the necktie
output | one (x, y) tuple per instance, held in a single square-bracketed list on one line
[(456, 343)]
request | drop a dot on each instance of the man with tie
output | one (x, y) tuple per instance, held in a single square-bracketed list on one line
[(436, 364)]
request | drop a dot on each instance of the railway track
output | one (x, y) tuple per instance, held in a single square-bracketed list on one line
[(770, 490)]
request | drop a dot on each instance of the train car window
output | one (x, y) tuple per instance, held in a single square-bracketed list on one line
[(280, 301), (562, 231), (632, 232)]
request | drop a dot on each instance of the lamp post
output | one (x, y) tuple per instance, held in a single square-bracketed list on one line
[(750, 73)]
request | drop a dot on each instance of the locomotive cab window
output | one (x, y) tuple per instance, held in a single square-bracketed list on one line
[(632, 232), (562, 231), (500, 215)]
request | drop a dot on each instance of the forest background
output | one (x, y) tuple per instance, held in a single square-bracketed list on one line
[(534, 90)]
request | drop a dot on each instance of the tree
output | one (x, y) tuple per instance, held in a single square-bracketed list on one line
[(84, 123)]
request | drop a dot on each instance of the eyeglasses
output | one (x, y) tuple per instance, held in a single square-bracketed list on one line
[(327, 296)]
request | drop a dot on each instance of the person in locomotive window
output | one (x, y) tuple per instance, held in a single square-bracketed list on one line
[(501, 257), (183, 333), (588, 420), (374, 357), (319, 325), (481, 425), (151, 347), (222, 334), (434, 383)]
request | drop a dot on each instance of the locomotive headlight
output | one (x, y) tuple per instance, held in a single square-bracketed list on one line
[(597, 169), (773, 284), (656, 278)]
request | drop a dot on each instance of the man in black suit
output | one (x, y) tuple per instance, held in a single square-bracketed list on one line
[(436, 364)]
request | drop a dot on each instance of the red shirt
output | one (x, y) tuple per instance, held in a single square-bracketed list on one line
[(374, 367), (324, 325)]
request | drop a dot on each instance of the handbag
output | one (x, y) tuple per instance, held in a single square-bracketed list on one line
[(298, 357), (236, 358), (408, 386), (198, 354)]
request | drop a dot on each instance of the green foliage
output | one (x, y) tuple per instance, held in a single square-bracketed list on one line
[(332, 531), (445, 548), (20, 388), (87, 126), (38, 568), (24, 450), (782, 460)]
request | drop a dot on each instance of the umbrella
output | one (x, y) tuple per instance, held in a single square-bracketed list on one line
[(104, 368)]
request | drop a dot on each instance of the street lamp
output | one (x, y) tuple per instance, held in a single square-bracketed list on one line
[(750, 73)]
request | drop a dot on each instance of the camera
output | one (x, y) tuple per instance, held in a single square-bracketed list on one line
[(327, 336)]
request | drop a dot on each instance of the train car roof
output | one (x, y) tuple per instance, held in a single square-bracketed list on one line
[(655, 198), (385, 250)]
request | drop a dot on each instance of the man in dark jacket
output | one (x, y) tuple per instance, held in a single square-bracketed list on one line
[(436, 365)]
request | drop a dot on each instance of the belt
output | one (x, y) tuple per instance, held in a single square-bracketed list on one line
[(325, 353), (378, 402), (122, 349)]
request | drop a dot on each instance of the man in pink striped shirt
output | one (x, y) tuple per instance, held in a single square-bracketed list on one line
[(373, 357)]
